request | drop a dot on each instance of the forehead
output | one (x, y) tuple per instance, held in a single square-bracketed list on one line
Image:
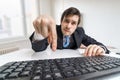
[(72, 17)]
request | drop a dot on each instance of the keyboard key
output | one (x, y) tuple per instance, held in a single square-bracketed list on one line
[(90, 69), (17, 64), (47, 71), (38, 67), (28, 68), (118, 63), (22, 66), (13, 75), (76, 72), (2, 69), (13, 67), (8, 71), (25, 73), (70, 68), (68, 74), (58, 76), (36, 77), (48, 77), (3, 76), (38, 72), (18, 69), (84, 71), (113, 66), (98, 68), (108, 66), (55, 70)]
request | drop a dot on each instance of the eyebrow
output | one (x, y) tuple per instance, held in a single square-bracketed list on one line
[(72, 20)]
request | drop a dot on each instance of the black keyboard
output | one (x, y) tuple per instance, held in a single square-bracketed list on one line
[(77, 68)]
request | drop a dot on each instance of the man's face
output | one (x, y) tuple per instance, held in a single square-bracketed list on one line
[(69, 24)]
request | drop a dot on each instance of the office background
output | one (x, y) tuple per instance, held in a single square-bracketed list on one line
[(100, 19)]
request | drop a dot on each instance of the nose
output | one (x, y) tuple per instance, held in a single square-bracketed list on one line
[(69, 25)]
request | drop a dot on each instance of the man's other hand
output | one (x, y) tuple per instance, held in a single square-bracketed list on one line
[(94, 50)]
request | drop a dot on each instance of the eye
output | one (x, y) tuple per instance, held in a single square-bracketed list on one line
[(73, 23), (66, 20)]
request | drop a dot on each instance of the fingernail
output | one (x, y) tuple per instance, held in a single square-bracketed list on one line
[(89, 55), (54, 48)]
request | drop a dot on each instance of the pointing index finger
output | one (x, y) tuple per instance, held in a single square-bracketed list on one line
[(54, 38), (52, 28)]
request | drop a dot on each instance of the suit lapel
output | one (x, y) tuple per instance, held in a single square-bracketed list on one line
[(59, 38), (78, 35)]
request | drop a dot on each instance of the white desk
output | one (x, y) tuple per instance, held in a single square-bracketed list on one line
[(20, 55), (29, 54)]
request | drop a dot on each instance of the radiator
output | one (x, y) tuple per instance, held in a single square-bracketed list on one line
[(7, 50)]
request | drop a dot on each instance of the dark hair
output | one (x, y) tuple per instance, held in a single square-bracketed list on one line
[(71, 11)]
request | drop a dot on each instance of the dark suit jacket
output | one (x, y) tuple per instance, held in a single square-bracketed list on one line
[(77, 38)]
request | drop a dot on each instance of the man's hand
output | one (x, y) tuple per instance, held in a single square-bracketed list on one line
[(94, 50), (46, 26)]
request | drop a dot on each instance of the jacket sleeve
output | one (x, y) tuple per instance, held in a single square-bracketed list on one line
[(38, 45), (87, 40)]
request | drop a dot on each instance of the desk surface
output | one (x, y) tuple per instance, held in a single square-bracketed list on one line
[(28, 54)]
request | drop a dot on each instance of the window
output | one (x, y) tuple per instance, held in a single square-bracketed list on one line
[(16, 17), (11, 20)]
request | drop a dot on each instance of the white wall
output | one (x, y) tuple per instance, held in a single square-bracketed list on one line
[(100, 18), (46, 7)]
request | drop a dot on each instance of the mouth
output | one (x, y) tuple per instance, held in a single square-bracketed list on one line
[(66, 30)]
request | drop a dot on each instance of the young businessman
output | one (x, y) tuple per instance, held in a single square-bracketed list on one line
[(47, 32)]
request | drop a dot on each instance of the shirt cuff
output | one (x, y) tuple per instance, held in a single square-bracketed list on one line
[(103, 48), (38, 36)]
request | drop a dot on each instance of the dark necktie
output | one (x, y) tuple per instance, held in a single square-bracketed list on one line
[(66, 41)]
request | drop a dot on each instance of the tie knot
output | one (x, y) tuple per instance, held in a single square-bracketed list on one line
[(67, 37)]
